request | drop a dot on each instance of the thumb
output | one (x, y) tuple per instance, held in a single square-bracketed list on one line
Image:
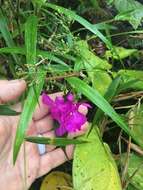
[(10, 90)]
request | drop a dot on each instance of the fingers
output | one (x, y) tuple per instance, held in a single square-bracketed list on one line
[(10, 90), (50, 134), (82, 131), (54, 158), (83, 109), (44, 125), (41, 110)]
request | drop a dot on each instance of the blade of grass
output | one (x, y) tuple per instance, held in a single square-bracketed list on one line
[(26, 116), (35, 89), (94, 96), (44, 54), (31, 39), (82, 21), (8, 39), (54, 141)]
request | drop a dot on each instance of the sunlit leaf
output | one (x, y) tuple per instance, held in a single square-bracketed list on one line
[(122, 53), (57, 180), (129, 10), (93, 165)]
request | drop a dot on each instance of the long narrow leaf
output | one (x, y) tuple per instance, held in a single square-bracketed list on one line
[(26, 116), (99, 101), (31, 39), (8, 38), (82, 21), (35, 89), (54, 141), (44, 54)]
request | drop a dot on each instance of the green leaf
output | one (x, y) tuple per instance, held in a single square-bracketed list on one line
[(94, 66), (134, 79), (31, 39), (109, 95), (135, 120), (135, 167), (131, 187), (93, 166), (38, 3), (5, 110), (54, 141), (121, 52), (28, 109), (101, 81), (129, 10), (8, 39), (35, 89), (88, 60), (94, 96), (44, 54), (82, 21), (5, 30)]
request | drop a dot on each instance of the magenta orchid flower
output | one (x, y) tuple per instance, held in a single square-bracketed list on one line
[(65, 111)]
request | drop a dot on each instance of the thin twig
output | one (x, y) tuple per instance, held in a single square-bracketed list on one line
[(134, 147)]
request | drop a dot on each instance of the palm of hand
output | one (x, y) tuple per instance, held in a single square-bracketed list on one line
[(13, 177), (8, 172)]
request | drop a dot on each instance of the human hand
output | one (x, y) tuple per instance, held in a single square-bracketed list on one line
[(12, 177)]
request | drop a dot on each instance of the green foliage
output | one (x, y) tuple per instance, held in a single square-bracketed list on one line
[(133, 76), (94, 65), (134, 171), (82, 21), (121, 53), (97, 156), (135, 117), (47, 43), (55, 141), (94, 96), (129, 10), (6, 110), (35, 89), (8, 39), (38, 3), (109, 95), (44, 54)]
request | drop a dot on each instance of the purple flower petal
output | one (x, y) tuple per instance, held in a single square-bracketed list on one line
[(65, 111), (47, 100), (60, 131), (75, 121), (70, 97)]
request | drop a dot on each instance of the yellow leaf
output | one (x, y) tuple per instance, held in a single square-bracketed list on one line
[(57, 181)]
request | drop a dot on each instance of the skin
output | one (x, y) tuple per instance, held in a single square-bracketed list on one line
[(12, 177)]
